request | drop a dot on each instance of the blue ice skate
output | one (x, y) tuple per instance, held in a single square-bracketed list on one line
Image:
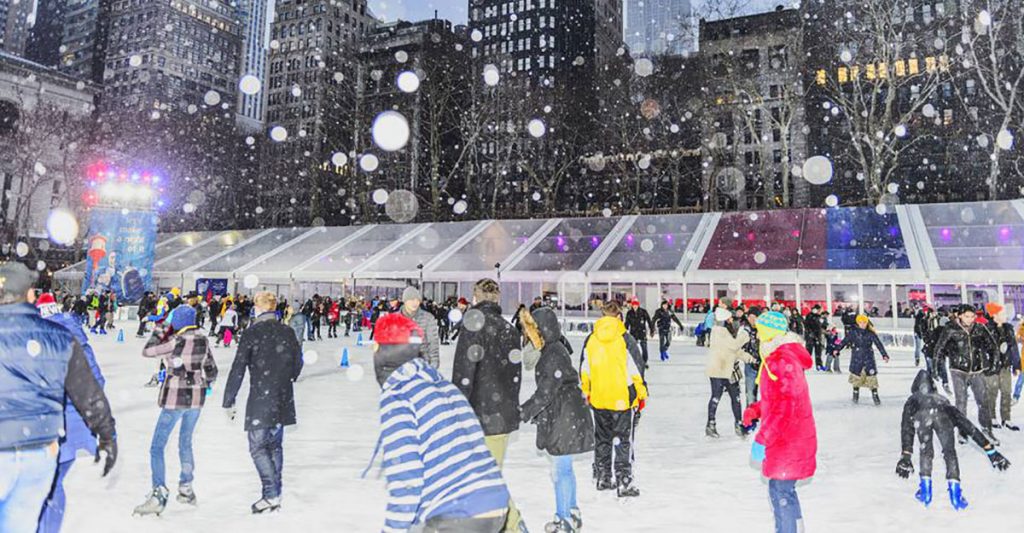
[(956, 497), (924, 491)]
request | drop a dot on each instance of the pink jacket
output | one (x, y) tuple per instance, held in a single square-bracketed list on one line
[(787, 420)]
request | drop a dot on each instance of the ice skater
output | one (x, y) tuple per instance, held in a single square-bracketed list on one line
[(927, 414), (723, 369), (564, 425), (663, 319), (440, 473), (863, 371), (787, 441)]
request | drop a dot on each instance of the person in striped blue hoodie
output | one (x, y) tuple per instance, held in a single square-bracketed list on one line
[(439, 472)]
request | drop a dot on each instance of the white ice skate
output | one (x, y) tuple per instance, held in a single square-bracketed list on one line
[(154, 505)]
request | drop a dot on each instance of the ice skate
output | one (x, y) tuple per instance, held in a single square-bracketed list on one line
[(627, 490), (711, 430), (924, 491), (266, 505), (740, 430), (956, 497), (1011, 427), (991, 436), (577, 518), (559, 526), (605, 483), (186, 495), (154, 505), (856, 395), (875, 398)]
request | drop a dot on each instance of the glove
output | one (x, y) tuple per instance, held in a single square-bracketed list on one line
[(757, 452), (107, 447), (998, 461), (640, 406), (230, 412), (904, 467), (752, 414)]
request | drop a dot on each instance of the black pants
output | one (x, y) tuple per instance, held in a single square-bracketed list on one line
[(213, 325), (348, 325), (332, 329), (643, 347), (815, 348), (142, 327), (664, 340), (314, 333), (718, 385), (608, 426), (942, 429)]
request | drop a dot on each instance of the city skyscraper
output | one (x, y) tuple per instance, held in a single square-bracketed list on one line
[(84, 46), (256, 38), (14, 25), (660, 27), (311, 103), (172, 56)]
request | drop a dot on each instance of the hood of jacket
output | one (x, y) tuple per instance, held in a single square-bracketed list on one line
[(609, 328), (547, 324), (391, 357), (923, 384)]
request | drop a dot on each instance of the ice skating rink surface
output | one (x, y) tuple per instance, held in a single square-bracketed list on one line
[(687, 482)]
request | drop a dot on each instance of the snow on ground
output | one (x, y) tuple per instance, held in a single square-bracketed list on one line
[(688, 482)]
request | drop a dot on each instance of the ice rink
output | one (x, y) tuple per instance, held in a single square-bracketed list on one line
[(688, 482)]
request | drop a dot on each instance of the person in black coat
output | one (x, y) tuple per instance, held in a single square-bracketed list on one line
[(663, 319), (564, 424), (488, 370), (273, 357), (638, 323), (927, 414), (814, 334), (970, 351), (863, 371)]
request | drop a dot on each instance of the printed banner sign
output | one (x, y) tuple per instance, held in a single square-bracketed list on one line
[(119, 253), (207, 288)]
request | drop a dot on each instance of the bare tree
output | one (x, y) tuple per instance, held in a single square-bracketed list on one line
[(43, 151), (991, 51), (885, 84)]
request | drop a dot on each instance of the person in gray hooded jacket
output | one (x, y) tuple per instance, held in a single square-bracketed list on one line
[(430, 349)]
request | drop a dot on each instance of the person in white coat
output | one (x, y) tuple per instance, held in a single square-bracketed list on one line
[(723, 369)]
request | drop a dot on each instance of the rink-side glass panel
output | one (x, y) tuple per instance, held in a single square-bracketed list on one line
[(978, 236), (304, 250), (808, 239), (653, 242), (568, 246), (423, 247), (494, 245)]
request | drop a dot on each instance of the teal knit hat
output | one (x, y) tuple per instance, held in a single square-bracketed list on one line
[(773, 320)]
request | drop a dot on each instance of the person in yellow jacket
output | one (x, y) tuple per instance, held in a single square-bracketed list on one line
[(614, 388)]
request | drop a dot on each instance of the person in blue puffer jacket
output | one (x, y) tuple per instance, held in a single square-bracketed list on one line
[(41, 367), (76, 434)]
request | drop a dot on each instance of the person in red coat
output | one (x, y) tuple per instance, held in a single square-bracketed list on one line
[(787, 442)]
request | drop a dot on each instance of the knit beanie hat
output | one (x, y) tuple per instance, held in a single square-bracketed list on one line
[(396, 328), (993, 308), (771, 325), (183, 317), (411, 293), (47, 305)]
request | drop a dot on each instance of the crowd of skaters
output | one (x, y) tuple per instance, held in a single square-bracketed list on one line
[(590, 405)]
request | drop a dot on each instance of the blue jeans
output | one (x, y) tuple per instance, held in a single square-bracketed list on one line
[(565, 485), (750, 382), (53, 508), (25, 480), (1020, 385), (164, 425), (266, 449), (785, 505), (918, 344)]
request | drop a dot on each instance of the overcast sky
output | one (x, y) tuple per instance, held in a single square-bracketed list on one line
[(455, 10)]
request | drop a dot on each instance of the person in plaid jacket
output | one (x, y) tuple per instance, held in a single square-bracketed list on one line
[(190, 372)]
